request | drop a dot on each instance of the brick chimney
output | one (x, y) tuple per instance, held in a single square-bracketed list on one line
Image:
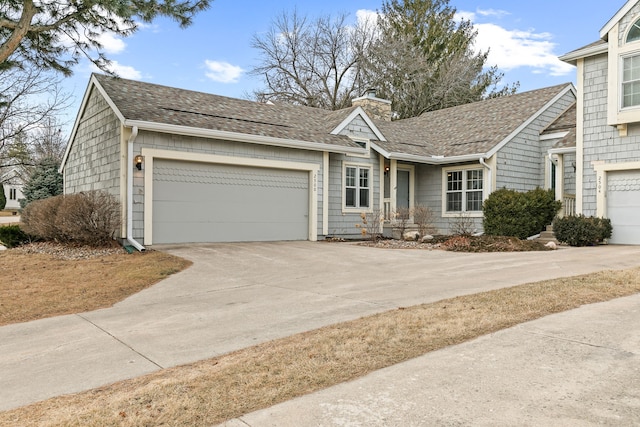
[(376, 108)]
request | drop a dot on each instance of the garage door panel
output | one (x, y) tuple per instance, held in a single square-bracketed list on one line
[(623, 206), (195, 202)]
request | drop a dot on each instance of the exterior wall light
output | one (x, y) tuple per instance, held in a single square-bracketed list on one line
[(138, 161)]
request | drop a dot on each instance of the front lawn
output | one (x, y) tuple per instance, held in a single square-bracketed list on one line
[(38, 285)]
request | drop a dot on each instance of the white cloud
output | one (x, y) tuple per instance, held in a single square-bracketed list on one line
[(365, 16), (492, 12), (510, 49), (223, 72), (124, 71), (111, 43)]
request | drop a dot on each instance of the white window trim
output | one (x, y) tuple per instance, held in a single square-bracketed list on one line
[(358, 210), (472, 214), (616, 114), (621, 59)]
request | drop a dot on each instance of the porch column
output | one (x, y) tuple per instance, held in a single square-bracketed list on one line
[(560, 182), (393, 184)]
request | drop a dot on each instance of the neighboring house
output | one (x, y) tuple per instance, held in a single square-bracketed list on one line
[(194, 167), (12, 185), (608, 128)]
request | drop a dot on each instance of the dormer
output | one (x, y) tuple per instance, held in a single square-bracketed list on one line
[(622, 34)]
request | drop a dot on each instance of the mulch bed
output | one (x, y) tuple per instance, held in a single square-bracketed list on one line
[(464, 244), (69, 252)]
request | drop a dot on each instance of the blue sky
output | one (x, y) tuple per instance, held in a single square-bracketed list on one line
[(214, 54)]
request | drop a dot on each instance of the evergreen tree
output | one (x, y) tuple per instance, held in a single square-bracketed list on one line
[(45, 181), (54, 35), (424, 60)]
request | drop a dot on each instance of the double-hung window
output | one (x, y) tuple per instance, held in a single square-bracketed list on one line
[(12, 194), (631, 81), (357, 187), (464, 190)]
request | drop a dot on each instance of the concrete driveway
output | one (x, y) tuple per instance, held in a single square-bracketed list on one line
[(237, 295)]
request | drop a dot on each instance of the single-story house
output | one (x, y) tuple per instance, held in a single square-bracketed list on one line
[(195, 167), (12, 184), (608, 125)]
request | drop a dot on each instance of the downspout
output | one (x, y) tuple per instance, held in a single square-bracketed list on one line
[(129, 238), (490, 177)]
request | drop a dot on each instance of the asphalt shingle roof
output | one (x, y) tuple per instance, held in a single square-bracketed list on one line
[(566, 122), (167, 105), (466, 129)]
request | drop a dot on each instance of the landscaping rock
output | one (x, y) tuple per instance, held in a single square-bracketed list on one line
[(551, 245), (411, 236), (426, 238), (3, 248)]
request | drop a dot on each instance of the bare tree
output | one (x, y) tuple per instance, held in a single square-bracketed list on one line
[(30, 102), (314, 63)]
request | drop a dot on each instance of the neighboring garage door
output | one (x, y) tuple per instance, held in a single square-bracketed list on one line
[(623, 206), (202, 202)]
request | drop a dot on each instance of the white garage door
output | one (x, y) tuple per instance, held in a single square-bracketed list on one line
[(623, 206), (202, 202)]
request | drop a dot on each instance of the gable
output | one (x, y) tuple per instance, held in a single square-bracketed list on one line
[(358, 125), (469, 131), (617, 18)]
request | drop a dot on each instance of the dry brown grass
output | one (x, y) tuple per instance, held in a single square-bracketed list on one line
[(34, 286), (209, 392)]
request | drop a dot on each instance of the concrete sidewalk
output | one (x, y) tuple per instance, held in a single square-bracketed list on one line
[(577, 368), (237, 295)]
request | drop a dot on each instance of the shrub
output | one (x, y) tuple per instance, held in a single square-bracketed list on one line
[(371, 226), (39, 219), (462, 225), (582, 231), (88, 218), (513, 213), (12, 236), (423, 217)]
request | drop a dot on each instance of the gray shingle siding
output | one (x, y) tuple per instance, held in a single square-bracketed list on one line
[(190, 144), (342, 223), (521, 162), (598, 137), (358, 128), (93, 162), (601, 141), (428, 192)]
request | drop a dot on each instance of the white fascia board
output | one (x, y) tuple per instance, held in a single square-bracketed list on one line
[(242, 137), (359, 111), (555, 135), (498, 147), (604, 32), (379, 150), (436, 160), (429, 160), (563, 150), (572, 57), (93, 82)]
